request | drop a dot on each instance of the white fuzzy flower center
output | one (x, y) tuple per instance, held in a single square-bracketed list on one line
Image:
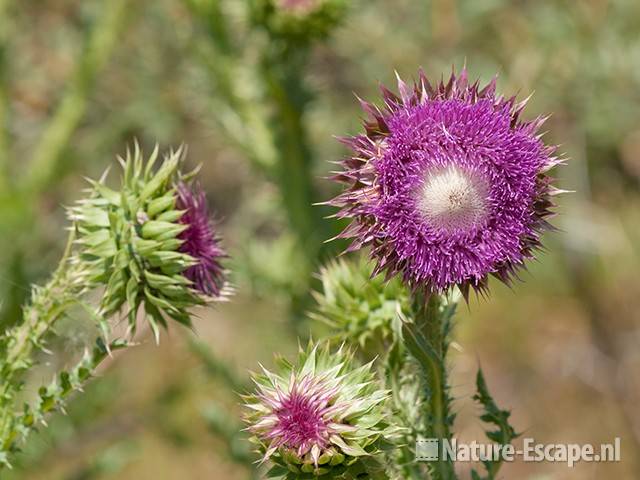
[(453, 199)]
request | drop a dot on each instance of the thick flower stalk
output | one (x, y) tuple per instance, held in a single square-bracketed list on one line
[(447, 185), (150, 245), (320, 417)]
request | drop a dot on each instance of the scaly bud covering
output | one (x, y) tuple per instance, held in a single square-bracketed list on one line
[(322, 417), (299, 20), (147, 242), (359, 307), (447, 184)]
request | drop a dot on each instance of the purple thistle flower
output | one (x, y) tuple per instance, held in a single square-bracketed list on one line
[(322, 413), (200, 241), (447, 185), (301, 416)]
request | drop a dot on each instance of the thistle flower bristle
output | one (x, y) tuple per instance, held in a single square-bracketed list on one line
[(447, 184), (200, 241), (453, 199)]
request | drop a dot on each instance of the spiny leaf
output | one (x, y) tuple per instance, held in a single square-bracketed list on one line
[(492, 414)]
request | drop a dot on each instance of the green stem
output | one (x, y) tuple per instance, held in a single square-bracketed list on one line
[(427, 340), (48, 304), (282, 74), (216, 367), (51, 397), (406, 463), (241, 117), (50, 149)]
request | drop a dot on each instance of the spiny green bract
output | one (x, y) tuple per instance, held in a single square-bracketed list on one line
[(359, 308), (322, 417), (129, 237)]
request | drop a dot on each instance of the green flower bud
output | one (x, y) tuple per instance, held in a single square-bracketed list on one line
[(132, 239), (299, 20), (360, 308)]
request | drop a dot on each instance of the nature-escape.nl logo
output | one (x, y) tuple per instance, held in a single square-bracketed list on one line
[(432, 449)]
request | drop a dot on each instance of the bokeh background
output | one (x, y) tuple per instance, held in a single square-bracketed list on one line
[(79, 80)]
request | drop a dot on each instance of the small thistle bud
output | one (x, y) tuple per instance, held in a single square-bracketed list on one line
[(321, 416), (299, 20), (447, 185), (361, 308), (150, 243)]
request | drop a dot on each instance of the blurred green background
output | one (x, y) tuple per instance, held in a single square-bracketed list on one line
[(79, 80)]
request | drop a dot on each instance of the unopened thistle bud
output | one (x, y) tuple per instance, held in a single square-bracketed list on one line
[(151, 242), (299, 20), (321, 416), (360, 308)]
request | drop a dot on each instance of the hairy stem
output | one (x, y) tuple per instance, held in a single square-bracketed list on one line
[(405, 464), (51, 397), (49, 303), (427, 340)]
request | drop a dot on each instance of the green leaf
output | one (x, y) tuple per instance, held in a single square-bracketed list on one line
[(492, 414)]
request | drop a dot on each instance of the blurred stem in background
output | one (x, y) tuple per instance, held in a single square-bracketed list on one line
[(231, 431), (268, 126), (4, 97), (216, 368), (97, 50), (219, 423), (43, 169), (237, 114), (282, 71)]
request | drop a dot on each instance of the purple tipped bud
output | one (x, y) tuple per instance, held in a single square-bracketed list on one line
[(200, 241), (323, 414)]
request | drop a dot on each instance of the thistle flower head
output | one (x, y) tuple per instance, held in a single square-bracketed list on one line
[(321, 416), (447, 185), (361, 308), (149, 242), (200, 241), (298, 7), (299, 20)]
